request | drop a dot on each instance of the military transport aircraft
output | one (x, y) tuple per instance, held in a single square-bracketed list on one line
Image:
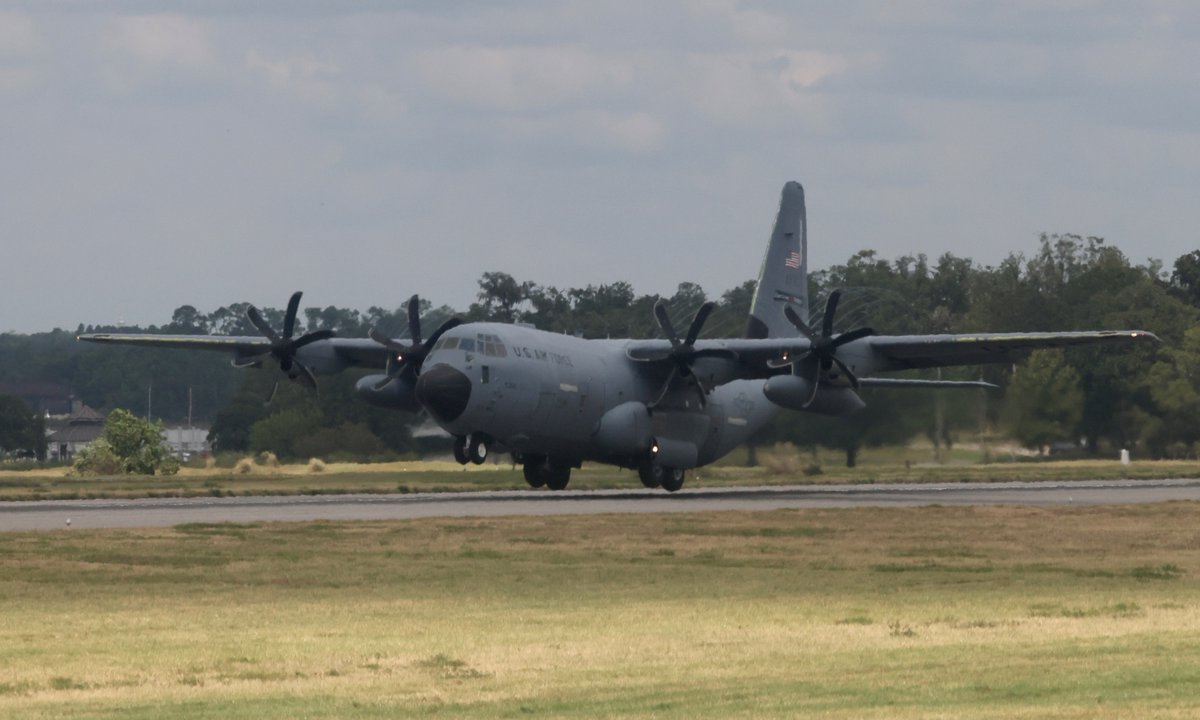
[(658, 406)]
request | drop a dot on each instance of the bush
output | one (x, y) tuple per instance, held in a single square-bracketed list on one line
[(316, 465), (97, 458), (267, 459), (245, 466)]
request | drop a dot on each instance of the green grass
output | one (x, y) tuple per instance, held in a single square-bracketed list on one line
[(439, 477), (876, 613)]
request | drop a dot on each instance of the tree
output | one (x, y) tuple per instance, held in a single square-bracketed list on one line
[(1044, 401), (136, 443), (1186, 278), (21, 432), (1174, 384)]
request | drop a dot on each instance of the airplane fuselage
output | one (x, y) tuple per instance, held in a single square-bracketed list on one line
[(557, 395)]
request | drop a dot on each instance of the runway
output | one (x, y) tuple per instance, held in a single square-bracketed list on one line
[(55, 514)]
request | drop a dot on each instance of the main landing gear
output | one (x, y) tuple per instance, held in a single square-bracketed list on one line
[(541, 471), (471, 448), (654, 476)]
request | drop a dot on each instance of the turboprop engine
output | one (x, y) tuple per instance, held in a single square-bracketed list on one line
[(796, 393), (396, 395), (625, 429)]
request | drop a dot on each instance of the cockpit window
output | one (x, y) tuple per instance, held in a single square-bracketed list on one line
[(491, 346), (466, 344)]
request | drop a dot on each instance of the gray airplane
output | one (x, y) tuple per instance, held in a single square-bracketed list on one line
[(658, 406)]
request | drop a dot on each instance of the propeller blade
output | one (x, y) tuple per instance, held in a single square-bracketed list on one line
[(846, 371), (664, 322), (289, 317), (306, 376), (698, 323), (666, 388), (310, 338), (387, 380), (695, 381), (271, 396), (851, 336), (802, 326), (386, 341), (830, 310), (414, 319), (816, 385), (437, 334), (256, 319)]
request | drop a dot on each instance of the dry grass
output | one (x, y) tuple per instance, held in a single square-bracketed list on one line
[(896, 613)]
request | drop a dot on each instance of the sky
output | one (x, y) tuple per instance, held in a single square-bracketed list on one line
[(159, 154)]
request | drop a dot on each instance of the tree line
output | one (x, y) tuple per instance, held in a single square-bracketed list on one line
[(1145, 398)]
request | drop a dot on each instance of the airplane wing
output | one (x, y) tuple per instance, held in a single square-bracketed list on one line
[(906, 352), (889, 353), (342, 352)]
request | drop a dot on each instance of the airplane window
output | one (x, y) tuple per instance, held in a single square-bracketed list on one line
[(466, 344), (451, 343), (441, 343), (500, 351)]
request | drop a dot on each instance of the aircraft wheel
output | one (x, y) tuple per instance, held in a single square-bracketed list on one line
[(477, 448), (672, 479), (533, 471), (557, 476), (460, 449), (650, 474)]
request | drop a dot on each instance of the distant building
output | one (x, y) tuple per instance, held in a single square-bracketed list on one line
[(186, 442), (70, 434)]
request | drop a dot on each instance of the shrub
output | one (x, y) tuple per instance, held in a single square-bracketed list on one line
[(267, 458), (97, 458), (316, 465), (245, 466)]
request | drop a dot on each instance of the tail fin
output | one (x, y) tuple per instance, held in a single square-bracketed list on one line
[(784, 275)]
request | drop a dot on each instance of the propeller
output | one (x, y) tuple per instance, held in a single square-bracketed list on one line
[(823, 350), (681, 353), (401, 357), (284, 347)]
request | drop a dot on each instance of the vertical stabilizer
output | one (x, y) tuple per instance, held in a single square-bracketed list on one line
[(784, 275)]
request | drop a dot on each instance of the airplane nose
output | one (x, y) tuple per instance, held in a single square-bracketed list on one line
[(444, 391)]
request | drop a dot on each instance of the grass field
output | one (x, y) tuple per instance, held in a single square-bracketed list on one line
[(874, 613), (416, 476)]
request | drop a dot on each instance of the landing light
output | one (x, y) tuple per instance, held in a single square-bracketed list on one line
[(654, 449)]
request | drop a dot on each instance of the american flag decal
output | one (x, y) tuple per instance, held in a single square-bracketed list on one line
[(793, 260)]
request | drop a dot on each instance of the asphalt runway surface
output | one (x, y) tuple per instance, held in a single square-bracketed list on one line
[(66, 514)]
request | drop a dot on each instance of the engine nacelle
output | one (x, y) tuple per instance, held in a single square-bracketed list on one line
[(625, 429), (792, 391), (397, 394), (680, 454)]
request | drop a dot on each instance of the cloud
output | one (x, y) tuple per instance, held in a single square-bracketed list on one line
[(162, 40), (18, 35), (304, 76), (520, 78)]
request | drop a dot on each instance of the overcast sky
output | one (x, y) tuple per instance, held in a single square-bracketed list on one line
[(225, 151)]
